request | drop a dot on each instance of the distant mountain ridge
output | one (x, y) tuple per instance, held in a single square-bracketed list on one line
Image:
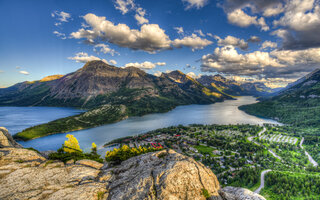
[(232, 87)]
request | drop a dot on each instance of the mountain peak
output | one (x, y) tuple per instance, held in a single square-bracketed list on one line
[(96, 65), (51, 78)]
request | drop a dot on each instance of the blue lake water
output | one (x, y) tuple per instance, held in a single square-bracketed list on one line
[(227, 112)]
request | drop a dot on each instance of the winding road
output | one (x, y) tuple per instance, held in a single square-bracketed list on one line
[(263, 173), (314, 163), (259, 134)]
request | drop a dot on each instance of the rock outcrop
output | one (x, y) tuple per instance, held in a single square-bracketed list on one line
[(166, 175)]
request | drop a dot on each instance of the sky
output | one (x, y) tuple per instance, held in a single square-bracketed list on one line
[(270, 41)]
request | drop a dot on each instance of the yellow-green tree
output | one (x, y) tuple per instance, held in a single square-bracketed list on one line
[(71, 145)]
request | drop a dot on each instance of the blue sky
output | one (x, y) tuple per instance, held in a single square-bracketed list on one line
[(41, 38)]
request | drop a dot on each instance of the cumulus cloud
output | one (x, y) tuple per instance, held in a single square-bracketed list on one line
[(270, 7), (113, 62), (24, 72), (60, 35), (254, 39), (300, 24), (274, 64), (268, 44), (193, 41), (103, 48), (83, 57), (195, 3), (240, 18), (149, 38), (145, 65), (227, 60), (60, 17), (233, 41)]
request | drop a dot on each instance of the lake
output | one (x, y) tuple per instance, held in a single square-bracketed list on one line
[(227, 112)]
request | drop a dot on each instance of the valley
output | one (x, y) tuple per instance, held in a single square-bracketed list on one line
[(236, 159)]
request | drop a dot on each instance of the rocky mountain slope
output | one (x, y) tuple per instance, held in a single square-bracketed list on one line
[(26, 174), (297, 105), (231, 87), (97, 84)]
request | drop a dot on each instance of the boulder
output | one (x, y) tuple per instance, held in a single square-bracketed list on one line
[(6, 139)]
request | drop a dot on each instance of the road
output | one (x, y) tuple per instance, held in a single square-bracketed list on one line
[(314, 163), (263, 173), (259, 134)]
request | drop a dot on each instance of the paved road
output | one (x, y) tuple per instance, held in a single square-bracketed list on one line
[(259, 134), (314, 163), (263, 173)]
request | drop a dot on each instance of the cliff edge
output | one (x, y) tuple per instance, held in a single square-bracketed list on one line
[(166, 175)]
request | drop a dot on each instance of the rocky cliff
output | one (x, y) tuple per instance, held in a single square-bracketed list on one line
[(25, 174)]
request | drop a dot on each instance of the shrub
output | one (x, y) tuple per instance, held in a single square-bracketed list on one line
[(116, 156), (205, 193), (71, 145)]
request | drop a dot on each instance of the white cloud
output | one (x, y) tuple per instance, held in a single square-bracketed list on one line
[(268, 44), (274, 64), (127, 5), (149, 38), (160, 63), (195, 3), (200, 33), (1, 71), (84, 57), (179, 30), (240, 18), (227, 60), (193, 41), (60, 35), (139, 16), (301, 21), (254, 39), (273, 10), (60, 17), (113, 62), (193, 75), (230, 40), (124, 5), (24, 72), (158, 73), (103, 48), (145, 65)]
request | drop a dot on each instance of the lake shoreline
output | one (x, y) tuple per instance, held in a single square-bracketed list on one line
[(226, 112)]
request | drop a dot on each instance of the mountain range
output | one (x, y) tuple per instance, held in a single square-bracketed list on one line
[(298, 104), (111, 94)]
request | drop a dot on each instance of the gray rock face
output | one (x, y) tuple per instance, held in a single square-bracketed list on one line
[(235, 193), (163, 175), (6, 140)]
